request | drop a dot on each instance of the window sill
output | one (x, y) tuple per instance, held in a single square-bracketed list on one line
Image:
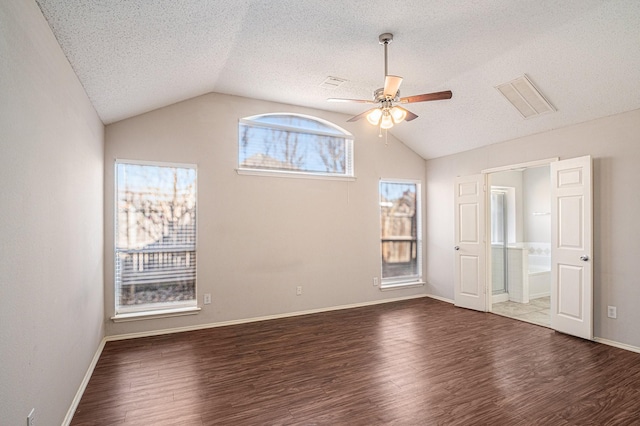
[(296, 175), (161, 313), (401, 286)]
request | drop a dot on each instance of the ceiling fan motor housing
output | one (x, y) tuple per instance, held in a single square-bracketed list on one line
[(378, 96)]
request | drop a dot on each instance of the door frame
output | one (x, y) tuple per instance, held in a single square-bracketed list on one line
[(516, 167)]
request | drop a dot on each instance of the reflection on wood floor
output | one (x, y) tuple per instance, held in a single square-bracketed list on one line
[(416, 362), (536, 311)]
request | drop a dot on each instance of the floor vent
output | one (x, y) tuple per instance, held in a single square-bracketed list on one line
[(525, 97)]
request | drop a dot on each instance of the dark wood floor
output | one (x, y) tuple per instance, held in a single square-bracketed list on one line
[(417, 362)]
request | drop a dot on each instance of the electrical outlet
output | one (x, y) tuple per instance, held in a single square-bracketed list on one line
[(375, 280), (298, 290), (31, 418), (207, 298), (612, 312)]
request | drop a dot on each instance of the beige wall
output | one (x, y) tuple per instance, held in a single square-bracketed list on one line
[(260, 237), (51, 251), (614, 143)]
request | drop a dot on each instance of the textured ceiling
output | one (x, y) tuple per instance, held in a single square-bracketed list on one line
[(584, 55)]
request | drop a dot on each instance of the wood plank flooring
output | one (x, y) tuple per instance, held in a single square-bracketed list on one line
[(416, 362)]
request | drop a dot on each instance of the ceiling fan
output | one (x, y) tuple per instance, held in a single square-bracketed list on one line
[(387, 113)]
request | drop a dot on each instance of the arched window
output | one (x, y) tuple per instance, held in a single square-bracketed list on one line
[(294, 144)]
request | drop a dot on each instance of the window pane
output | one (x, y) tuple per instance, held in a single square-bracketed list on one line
[(293, 144), (155, 237), (298, 122), (399, 230)]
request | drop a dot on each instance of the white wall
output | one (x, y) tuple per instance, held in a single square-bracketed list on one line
[(614, 142), (51, 260), (260, 237), (537, 199)]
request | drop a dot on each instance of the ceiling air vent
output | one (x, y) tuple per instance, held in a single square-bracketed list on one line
[(332, 82), (525, 97)]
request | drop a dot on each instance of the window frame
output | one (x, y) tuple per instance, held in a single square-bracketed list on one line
[(251, 121), (144, 311), (405, 280)]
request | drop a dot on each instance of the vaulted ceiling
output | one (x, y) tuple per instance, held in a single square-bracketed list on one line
[(583, 55)]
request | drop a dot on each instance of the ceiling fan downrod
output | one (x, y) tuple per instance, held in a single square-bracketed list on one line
[(385, 39)]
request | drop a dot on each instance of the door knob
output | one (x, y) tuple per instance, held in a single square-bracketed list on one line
[(457, 247), (584, 257)]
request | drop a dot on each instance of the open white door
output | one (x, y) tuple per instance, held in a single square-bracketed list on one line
[(572, 247), (470, 251)]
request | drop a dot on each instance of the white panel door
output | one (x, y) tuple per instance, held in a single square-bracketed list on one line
[(470, 257), (572, 247)]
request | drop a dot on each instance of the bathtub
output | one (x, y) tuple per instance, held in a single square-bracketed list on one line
[(529, 272), (539, 275)]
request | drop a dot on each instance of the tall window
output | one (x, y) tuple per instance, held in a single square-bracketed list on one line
[(294, 144), (155, 236), (400, 235)]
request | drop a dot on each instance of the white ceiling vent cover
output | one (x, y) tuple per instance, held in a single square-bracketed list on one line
[(525, 97), (332, 82)]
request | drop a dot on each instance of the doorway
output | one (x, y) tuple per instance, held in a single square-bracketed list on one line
[(571, 247), (520, 251)]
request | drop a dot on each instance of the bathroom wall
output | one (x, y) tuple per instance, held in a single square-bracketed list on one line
[(536, 200), (517, 274), (532, 244)]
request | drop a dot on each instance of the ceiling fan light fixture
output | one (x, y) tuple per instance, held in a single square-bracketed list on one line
[(386, 115), (387, 121), (398, 114), (374, 116)]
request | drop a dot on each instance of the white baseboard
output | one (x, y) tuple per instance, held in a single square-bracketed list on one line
[(256, 319), (498, 298), (617, 344), (440, 298), (539, 295), (83, 384), (518, 299)]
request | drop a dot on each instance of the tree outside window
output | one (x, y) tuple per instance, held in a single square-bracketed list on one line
[(400, 242), (155, 241)]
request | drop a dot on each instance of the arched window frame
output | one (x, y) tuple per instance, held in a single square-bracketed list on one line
[(326, 132)]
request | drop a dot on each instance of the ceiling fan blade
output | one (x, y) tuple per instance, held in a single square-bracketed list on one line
[(427, 97), (410, 116), (361, 115), (359, 101), (391, 85)]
